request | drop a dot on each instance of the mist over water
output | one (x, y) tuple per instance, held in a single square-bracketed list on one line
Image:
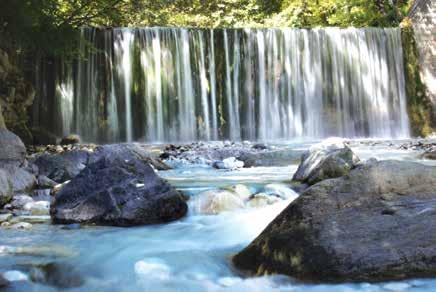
[(174, 84)]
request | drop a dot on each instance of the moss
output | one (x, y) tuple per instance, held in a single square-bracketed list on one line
[(419, 105)]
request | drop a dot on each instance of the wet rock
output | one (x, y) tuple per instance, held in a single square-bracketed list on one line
[(375, 224), (281, 157), (70, 139), (216, 201), (19, 201), (32, 219), (62, 167), (117, 192), (46, 183), (262, 200), (59, 275), (21, 225), (280, 190), (260, 146), (230, 163), (130, 151), (3, 282), (5, 217), (37, 251), (241, 191), (38, 208), (430, 155), (329, 159)]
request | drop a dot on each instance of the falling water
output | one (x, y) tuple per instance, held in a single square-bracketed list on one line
[(167, 84)]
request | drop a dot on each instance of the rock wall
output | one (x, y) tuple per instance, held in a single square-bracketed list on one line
[(16, 96), (423, 17)]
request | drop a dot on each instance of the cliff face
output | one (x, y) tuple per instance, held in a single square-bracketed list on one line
[(16, 96), (419, 39)]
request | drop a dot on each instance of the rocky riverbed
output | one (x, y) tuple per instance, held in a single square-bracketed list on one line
[(221, 196)]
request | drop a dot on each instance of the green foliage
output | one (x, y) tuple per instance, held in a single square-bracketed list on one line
[(50, 26), (419, 106)]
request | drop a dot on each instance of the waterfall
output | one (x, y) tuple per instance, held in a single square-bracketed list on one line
[(170, 84)]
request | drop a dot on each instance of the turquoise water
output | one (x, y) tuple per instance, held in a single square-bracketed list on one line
[(192, 254)]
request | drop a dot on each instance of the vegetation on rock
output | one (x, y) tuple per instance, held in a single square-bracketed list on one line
[(419, 105)]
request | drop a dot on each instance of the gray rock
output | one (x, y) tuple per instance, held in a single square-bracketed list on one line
[(230, 163), (70, 139), (377, 223), (325, 161), (21, 226), (22, 181), (129, 151), (283, 157), (431, 154), (62, 167), (59, 275), (12, 149), (3, 282), (5, 217), (6, 190), (19, 201), (117, 192), (46, 183), (33, 219)]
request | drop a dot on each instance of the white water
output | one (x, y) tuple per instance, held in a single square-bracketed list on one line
[(123, 49), (258, 84)]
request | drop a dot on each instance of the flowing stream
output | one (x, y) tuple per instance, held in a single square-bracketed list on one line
[(192, 254), (175, 84)]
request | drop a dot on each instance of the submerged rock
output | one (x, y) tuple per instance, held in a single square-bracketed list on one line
[(230, 163), (38, 208), (117, 192), (21, 225), (3, 282), (240, 190), (283, 157), (329, 159), (377, 223), (262, 200), (280, 190), (216, 201), (430, 155), (56, 274)]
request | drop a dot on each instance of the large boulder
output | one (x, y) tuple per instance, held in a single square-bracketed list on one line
[(117, 192), (129, 151), (21, 179), (329, 159), (62, 167), (12, 149), (377, 223)]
